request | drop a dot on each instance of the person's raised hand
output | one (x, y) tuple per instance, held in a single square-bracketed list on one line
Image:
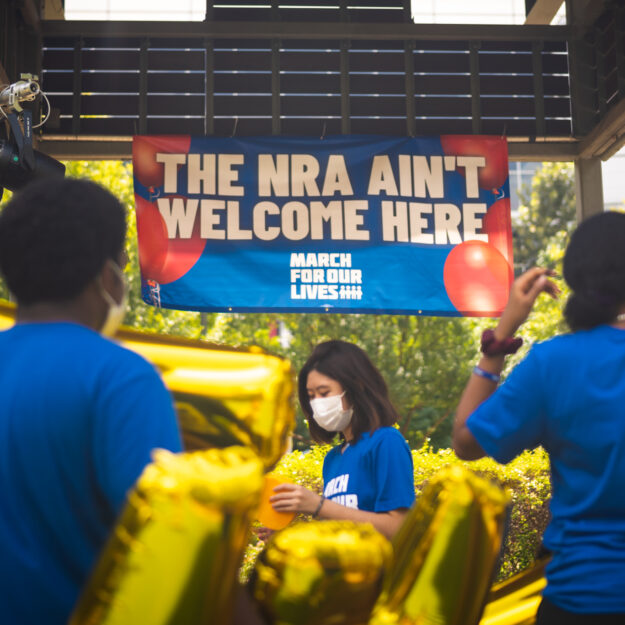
[(523, 294)]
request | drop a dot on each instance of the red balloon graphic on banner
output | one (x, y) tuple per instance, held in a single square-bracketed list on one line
[(477, 278), (494, 149), (160, 258), (496, 224), (144, 150), (152, 237)]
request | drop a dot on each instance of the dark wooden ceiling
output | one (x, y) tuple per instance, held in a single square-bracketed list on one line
[(267, 67)]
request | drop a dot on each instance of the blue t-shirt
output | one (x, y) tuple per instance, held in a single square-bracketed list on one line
[(374, 474), (568, 395), (79, 416)]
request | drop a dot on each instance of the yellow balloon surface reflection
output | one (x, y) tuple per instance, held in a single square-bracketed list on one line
[(174, 554), (321, 573), (445, 553)]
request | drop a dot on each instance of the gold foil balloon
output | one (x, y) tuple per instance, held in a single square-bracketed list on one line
[(516, 600), (321, 573), (444, 553), (174, 554), (224, 396), (7, 312)]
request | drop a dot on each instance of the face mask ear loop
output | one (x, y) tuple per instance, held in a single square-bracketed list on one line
[(119, 272), (349, 405), (108, 298), (116, 310)]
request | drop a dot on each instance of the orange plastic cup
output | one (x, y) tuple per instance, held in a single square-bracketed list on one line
[(269, 517)]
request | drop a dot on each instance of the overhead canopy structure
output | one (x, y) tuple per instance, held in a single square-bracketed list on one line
[(317, 67)]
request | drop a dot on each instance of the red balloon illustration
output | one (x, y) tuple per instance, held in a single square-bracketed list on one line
[(494, 174), (497, 225), (160, 258), (477, 278), (144, 150), (152, 237)]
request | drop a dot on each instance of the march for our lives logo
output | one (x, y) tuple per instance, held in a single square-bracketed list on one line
[(336, 490), (324, 276)]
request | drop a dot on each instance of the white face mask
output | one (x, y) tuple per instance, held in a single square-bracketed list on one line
[(116, 310), (329, 414)]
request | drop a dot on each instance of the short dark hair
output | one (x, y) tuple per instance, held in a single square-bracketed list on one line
[(594, 268), (55, 236), (365, 388)]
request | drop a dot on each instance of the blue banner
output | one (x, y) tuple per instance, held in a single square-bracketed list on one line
[(367, 224)]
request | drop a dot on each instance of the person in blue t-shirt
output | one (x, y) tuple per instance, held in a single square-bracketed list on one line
[(369, 476), (79, 414), (567, 395)]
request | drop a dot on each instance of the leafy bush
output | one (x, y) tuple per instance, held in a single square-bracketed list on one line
[(526, 478)]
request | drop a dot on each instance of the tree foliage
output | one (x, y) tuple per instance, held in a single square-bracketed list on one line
[(547, 213), (425, 360), (541, 230)]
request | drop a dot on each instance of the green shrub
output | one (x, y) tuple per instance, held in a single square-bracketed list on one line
[(526, 478)]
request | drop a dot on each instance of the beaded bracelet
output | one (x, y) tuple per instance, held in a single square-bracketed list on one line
[(493, 377), (318, 510)]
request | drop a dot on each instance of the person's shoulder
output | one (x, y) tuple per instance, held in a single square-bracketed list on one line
[(55, 336), (387, 431), (110, 353), (387, 435), (333, 453), (572, 341), (335, 449), (95, 339), (125, 356)]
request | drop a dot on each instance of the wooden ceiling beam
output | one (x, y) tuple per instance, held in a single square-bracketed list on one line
[(120, 148), (305, 30)]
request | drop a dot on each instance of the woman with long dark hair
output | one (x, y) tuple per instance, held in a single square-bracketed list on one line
[(368, 476), (567, 395)]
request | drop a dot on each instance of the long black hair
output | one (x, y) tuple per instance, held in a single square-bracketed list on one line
[(364, 386), (594, 268)]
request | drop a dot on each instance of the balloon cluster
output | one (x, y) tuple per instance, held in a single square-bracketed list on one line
[(224, 396), (438, 571), (175, 552)]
